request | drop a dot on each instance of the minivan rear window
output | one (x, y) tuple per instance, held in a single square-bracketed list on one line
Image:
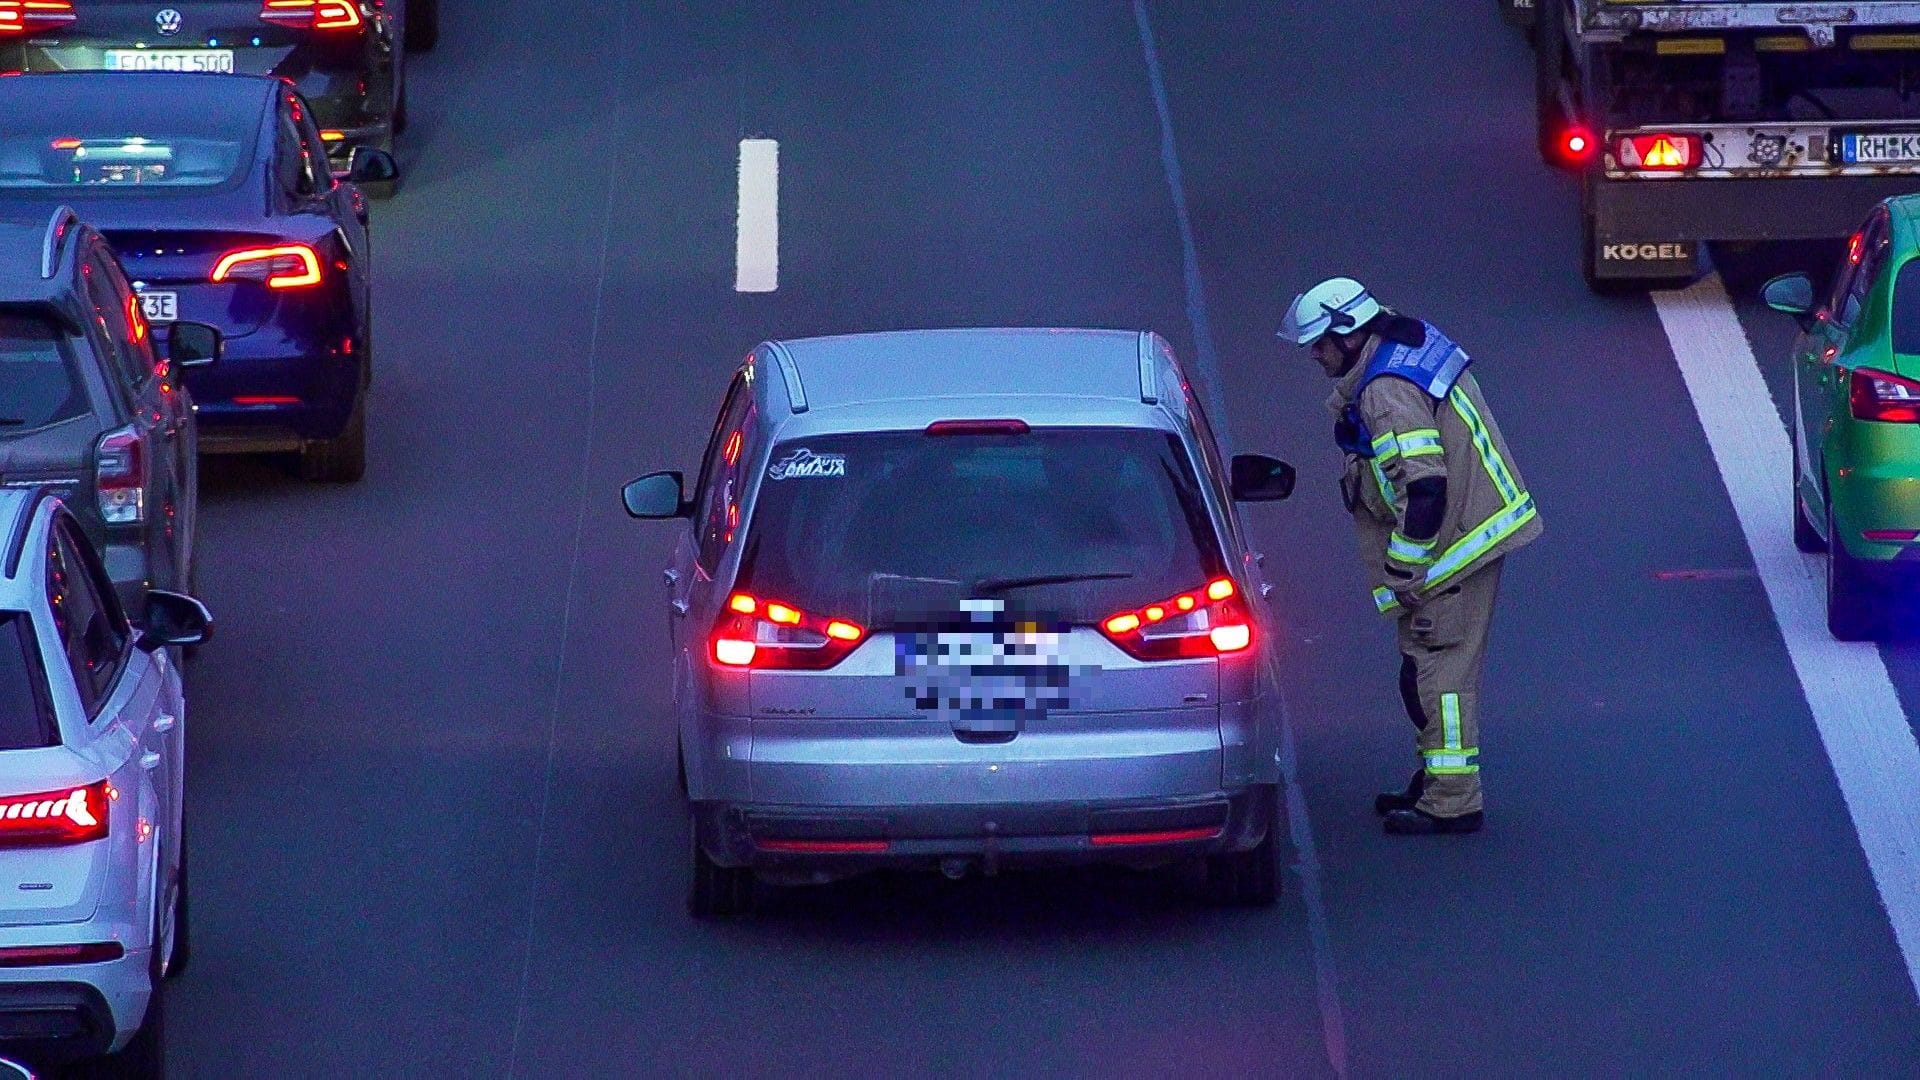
[(26, 711), (897, 528), (39, 381)]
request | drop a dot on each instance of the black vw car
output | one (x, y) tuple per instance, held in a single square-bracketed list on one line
[(346, 57)]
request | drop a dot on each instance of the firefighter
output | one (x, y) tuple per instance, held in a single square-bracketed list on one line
[(1439, 506)]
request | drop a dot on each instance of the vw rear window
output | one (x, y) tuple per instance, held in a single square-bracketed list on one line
[(39, 381), (26, 710), (897, 528)]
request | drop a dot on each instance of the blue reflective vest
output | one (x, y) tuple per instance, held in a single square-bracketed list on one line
[(1433, 366)]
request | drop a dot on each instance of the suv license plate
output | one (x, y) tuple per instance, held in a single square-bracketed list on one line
[(217, 60), (160, 306), (1899, 148)]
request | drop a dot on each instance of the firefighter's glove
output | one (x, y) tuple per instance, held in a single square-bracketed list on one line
[(1403, 583)]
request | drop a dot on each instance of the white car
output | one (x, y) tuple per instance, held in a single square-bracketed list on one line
[(93, 883)]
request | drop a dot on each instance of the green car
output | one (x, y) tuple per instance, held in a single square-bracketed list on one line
[(1856, 422)]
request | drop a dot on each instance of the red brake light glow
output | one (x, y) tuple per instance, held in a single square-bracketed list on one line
[(1203, 622), (312, 14), (977, 427), (1879, 396), (287, 266), (1576, 145), (822, 847), (23, 16), (55, 818), (1658, 153), (1169, 836), (755, 633)]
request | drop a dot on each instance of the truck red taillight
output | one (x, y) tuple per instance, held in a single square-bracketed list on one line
[(1658, 153), (1209, 621), (73, 815), (284, 266), (767, 634), (32, 16), (331, 15), (120, 477), (1877, 395)]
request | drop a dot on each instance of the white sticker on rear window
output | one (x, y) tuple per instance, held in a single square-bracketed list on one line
[(804, 464)]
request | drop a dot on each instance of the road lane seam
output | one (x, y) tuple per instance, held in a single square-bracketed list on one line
[(756, 244), (1326, 975), (1867, 736)]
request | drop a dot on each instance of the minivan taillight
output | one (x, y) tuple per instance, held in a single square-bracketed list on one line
[(73, 815), (30, 16), (1876, 395), (120, 477), (332, 15), (1209, 621), (767, 634)]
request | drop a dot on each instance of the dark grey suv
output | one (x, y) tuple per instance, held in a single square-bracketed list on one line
[(969, 599), (88, 409)]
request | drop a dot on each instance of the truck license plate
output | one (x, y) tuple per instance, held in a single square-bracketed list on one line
[(1891, 149)]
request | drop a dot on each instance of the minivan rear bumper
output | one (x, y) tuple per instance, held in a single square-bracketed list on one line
[(1026, 834)]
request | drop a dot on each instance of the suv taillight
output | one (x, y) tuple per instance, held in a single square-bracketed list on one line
[(120, 477), (1208, 621), (756, 633), (29, 16), (54, 818), (332, 15), (1876, 395)]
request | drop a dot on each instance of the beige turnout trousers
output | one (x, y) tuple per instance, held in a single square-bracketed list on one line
[(1443, 645)]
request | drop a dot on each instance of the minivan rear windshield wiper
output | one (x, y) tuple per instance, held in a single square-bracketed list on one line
[(1007, 584)]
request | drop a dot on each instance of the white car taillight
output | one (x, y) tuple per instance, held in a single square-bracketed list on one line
[(120, 474)]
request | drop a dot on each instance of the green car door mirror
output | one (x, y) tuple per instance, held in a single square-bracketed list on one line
[(1790, 294)]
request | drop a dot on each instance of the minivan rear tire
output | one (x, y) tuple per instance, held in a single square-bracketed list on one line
[(715, 891), (1250, 878)]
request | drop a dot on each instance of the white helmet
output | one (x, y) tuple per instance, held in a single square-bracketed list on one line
[(1337, 305)]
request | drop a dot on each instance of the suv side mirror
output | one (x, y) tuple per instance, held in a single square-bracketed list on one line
[(190, 344), (1258, 478), (371, 165), (1790, 294), (174, 619), (656, 496)]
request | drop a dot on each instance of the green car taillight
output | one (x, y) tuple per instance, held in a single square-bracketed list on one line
[(1883, 397)]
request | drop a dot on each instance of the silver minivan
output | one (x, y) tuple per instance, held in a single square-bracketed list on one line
[(965, 599)]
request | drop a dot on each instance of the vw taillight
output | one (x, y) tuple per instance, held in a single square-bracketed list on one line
[(1876, 395), (120, 477), (73, 815), (757, 633), (284, 266), (334, 15), (1658, 153), (1209, 621), (31, 16)]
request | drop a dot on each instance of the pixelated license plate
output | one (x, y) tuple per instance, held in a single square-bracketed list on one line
[(985, 680)]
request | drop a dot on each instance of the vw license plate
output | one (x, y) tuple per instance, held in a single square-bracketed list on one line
[(217, 60), (1891, 149), (160, 306)]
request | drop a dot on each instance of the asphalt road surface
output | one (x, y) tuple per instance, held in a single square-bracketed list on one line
[(433, 820)]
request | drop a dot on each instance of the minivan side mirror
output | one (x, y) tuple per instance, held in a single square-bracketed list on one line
[(1258, 478), (657, 496), (174, 619), (191, 344), (1790, 294), (372, 165)]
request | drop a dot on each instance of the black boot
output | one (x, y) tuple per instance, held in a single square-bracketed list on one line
[(1387, 802), (1413, 822)]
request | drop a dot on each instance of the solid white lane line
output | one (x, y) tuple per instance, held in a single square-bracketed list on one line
[(756, 249), (1867, 736)]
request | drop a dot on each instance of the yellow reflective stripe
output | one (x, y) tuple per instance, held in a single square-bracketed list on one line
[(1380, 477), (1483, 442), (1410, 552), (1384, 445), (1481, 540), (1384, 601), (1451, 770), (1463, 752), (1450, 721), (1420, 443)]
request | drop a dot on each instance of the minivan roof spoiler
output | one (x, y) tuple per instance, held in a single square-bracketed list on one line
[(62, 223), (1149, 382)]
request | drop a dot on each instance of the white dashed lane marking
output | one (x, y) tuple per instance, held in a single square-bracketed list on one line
[(1866, 733), (756, 250)]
